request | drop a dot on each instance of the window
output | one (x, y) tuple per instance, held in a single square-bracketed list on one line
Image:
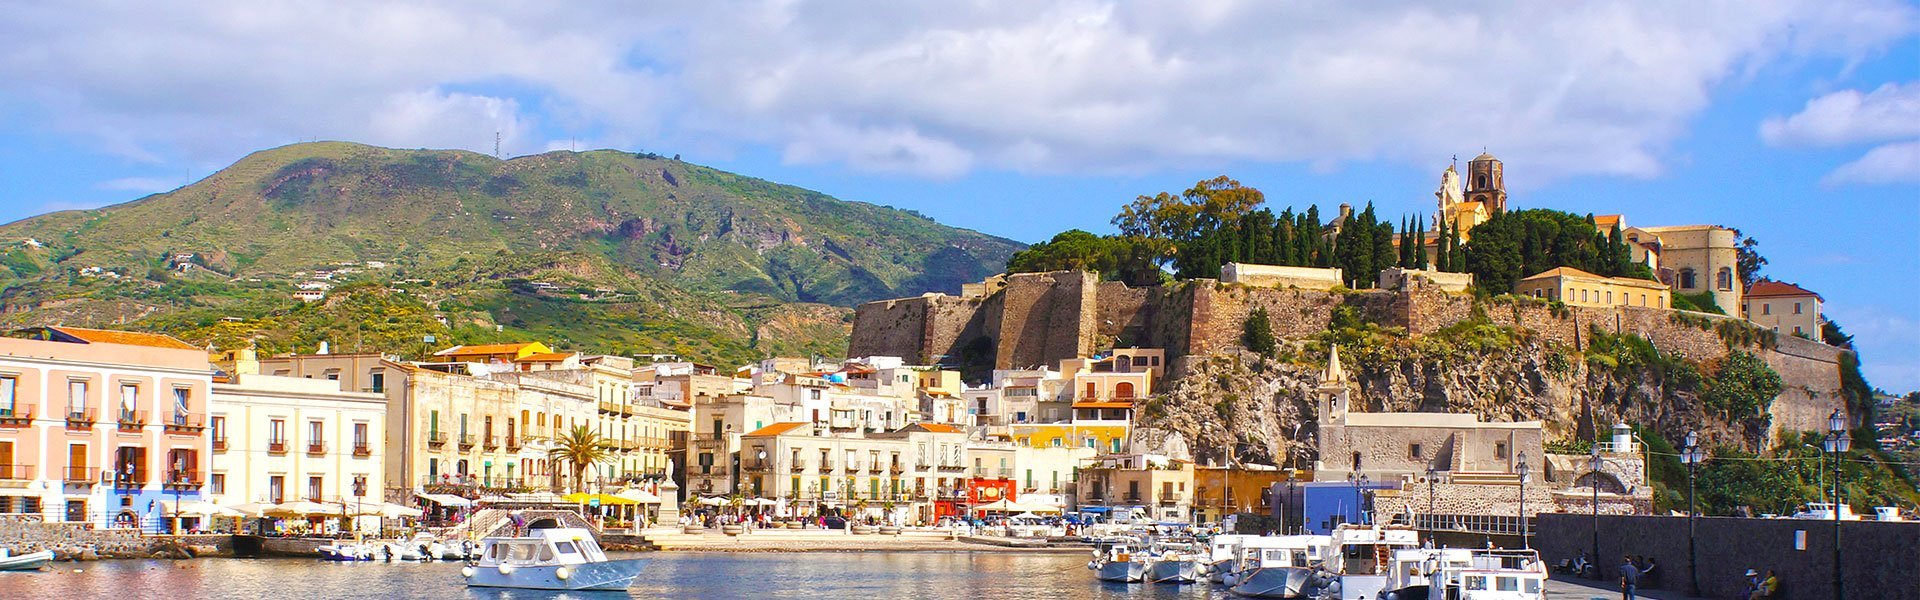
[(359, 435), (1687, 281), (1796, 330), (1766, 308), (277, 431), (1724, 279), (1796, 308), (314, 485), (433, 468), (433, 422), (378, 382), (129, 398), (77, 396), (1500, 450), (1414, 451), (8, 385), (316, 432), (566, 548), (217, 484), (219, 425), (276, 489)]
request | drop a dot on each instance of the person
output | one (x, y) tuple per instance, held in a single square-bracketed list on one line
[(1629, 577), (1647, 574), (1753, 585), (1770, 585)]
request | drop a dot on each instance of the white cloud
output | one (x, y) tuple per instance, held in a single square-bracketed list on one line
[(933, 89), (1891, 163), (1891, 112)]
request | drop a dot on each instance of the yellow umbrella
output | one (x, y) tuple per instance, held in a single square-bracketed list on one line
[(605, 499)]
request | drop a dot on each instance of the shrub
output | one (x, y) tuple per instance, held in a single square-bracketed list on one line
[(1258, 333)]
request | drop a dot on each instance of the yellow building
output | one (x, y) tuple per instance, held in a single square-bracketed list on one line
[(1575, 287), (1105, 438), (1784, 307), (494, 353)]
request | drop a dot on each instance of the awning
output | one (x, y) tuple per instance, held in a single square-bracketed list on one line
[(303, 508), (639, 495), (604, 499), (196, 508), (446, 499)]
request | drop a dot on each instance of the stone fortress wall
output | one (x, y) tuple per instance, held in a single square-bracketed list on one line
[(1038, 319)]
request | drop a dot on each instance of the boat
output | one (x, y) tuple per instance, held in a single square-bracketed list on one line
[(30, 561), (345, 552), (1221, 550), (1823, 511), (1118, 560), (1887, 513), (1360, 556), (557, 558), (1463, 574), (1172, 563), (1284, 566)]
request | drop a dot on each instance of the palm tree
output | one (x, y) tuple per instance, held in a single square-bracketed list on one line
[(580, 448)]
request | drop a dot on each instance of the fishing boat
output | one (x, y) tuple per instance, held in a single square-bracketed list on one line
[(549, 559), (1279, 567), (1361, 554), (1220, 554), (1172, 563), (1118, 560), (1462, 574), (30, 561)]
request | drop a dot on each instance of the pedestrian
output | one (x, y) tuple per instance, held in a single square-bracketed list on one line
[(1649, 575), (1753, 585), (1629, 578), (1770, 585)]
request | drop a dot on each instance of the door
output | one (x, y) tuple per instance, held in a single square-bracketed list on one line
[(77, 462)]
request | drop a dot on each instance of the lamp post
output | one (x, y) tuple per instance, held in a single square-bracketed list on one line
[(1431, 474), (1692, 455), (1836, 444), (1524, 469), (1594, 480)]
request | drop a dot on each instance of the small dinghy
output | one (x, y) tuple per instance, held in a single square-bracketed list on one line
[(32, 561)]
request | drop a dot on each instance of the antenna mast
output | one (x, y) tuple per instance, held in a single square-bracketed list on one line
[(496, 144)]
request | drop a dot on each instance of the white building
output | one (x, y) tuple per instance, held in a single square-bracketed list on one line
[(280, 439)]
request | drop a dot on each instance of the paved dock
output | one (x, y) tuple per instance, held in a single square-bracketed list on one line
[(1565, 588)]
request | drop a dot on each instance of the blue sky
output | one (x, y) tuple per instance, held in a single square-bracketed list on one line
[(1796, 122)]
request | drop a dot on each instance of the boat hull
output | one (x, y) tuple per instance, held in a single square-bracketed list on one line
[(1273, 582), (1412, 592), (27, 562), (1119, 571), (611, 575), (1172, 571)]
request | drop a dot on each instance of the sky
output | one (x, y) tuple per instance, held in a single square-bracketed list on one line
[(1794, 121)]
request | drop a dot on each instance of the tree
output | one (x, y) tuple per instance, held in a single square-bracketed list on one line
[(579, 448), (1517, 244), (1747, 260), (1258, 333), (1420, 242)]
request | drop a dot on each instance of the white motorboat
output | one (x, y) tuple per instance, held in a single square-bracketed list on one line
[(1220, 554), (1823, 511), (345, 552), (1361, 555), (1463, 574), (1119, 561), (1887, 513), (550, 559), (30, 561), (1172, 563), (1279, 567)]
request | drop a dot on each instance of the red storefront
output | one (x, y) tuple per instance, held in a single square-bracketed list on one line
[(978, 491)]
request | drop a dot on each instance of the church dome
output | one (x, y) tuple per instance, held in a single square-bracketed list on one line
[(1484, 157)]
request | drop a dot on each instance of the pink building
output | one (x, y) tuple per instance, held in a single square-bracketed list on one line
[(107, 427)]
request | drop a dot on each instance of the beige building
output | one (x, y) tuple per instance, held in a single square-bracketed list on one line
[(1784, 307), (1306, 278), (1161, 485), (1700, 258), (1575, 287), (371, 373), (894, 476), (279, 439)]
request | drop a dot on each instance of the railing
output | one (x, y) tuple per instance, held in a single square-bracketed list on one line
[(897, 468), (132, 419), (16, 472), (798, 466), (466, 441), (1171, 497), (875, 467), (609, 407), (17, 416), (81, 474), (953, 468), (754, 465), (277, 446), (1133, 498), (826, 466), (437, 438), (80, 418), (220, 444), (182, 480), (185, 423), (129, 480), (513, 442), (491, 442), (361, 449), (316, 448)]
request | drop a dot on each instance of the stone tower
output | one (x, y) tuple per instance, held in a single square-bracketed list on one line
[(1333, 391), (1485, 183)]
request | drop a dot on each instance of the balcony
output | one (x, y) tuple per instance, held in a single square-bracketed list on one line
[(755, 465), (896, 468), (362, 450), (81, 474), (437, 439), (1172, 498), (129, 480), (277, 446), (875, 467), (316, 448), (80, 419), (1131, 498), (610, 408), (132, 419), (16, 472), (513, 442), (18, 416), (826, 466), (466, 441), (185, 423), (490, 442), (798, 466), (953, 468), (220, 444), (183, 480)]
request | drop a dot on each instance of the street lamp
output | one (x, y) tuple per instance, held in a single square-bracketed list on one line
[(1693, 456), (1432, 473), (1524, 469), (1836, 444), (1593, 479)]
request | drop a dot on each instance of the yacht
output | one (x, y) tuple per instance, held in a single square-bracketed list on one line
[(1463, 574), (560, 558), (1118, 560), (1278, 566)]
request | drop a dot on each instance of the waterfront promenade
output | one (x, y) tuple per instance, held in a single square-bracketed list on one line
[(835, 540)]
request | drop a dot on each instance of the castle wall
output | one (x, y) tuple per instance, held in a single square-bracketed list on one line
[(890, 327)]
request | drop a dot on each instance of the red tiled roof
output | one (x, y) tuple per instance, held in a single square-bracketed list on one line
[(130, 338), (483, 349), (546, 357), (1561, 272), (935, 428), (1767, 288), (775, 429)]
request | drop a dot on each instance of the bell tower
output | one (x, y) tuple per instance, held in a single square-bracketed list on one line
[(1333, 390), (1485, 183)]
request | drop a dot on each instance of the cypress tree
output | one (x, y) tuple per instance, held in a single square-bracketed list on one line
[(1419, 242)]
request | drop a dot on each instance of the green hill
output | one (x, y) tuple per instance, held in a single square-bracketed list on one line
[(602, 250)]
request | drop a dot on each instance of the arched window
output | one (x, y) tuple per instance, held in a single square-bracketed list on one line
[(1724, 280), (1123, 364), (1686, 279), (1123, 390)]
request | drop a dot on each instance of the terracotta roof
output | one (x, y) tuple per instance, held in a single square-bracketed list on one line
[(776, 429), (483, 349), (1561, 272), (546, 357), (1767, 288), (1101, 404), (130, 338), (934, 428), (1606, 222)]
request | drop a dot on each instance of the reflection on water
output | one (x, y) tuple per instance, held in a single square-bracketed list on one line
[(812, 576)]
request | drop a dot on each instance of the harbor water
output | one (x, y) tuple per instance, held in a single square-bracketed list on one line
[(675, 575)]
